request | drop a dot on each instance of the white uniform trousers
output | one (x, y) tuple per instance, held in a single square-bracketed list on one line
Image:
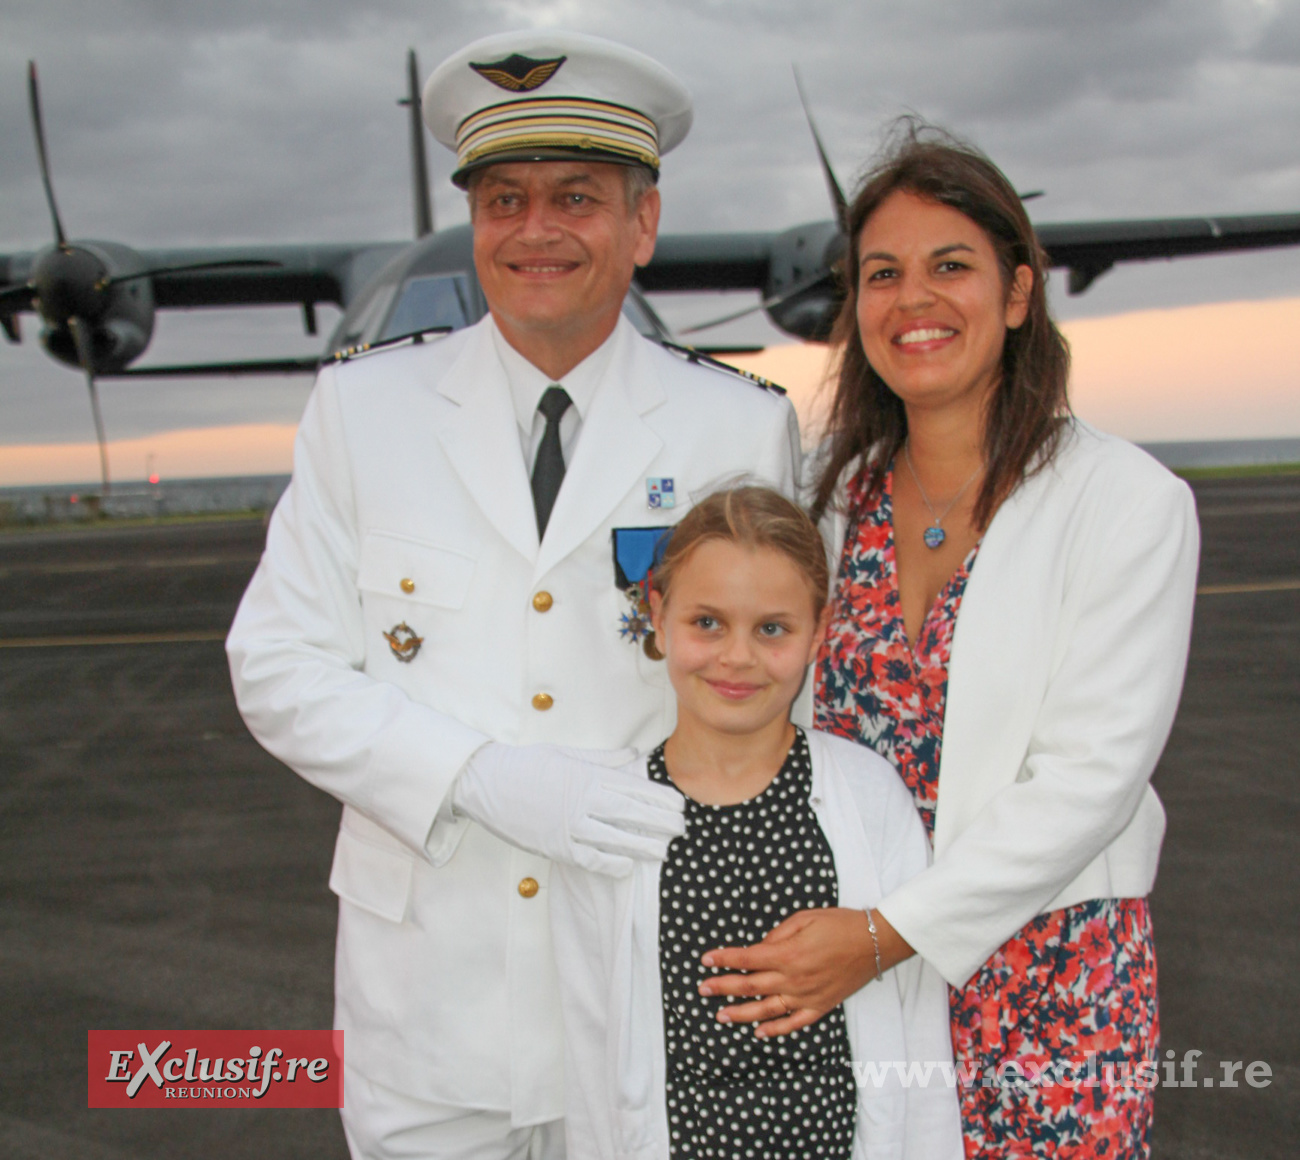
[(382, 1124)]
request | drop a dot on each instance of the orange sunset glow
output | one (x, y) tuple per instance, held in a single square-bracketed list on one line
[(1226, 371)]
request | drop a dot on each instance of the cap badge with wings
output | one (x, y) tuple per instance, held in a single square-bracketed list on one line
[(518, 74)]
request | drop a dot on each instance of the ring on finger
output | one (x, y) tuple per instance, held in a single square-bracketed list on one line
[(788, 1009)]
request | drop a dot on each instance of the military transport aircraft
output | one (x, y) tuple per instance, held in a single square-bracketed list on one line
[(97, 300)]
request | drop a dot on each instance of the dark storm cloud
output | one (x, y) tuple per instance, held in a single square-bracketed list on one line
[(176, 122)]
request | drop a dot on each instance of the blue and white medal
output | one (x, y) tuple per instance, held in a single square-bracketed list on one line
[(636, 550)]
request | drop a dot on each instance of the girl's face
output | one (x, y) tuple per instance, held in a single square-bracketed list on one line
[(737, 631), (933, 311)]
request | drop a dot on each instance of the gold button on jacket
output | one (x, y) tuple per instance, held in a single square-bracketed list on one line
[(542, 701), (528, 887), (542, 601), (408, 585)]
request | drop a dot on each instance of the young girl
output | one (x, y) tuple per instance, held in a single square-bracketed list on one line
[(777, 820)]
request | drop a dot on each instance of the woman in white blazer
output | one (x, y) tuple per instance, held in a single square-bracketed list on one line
[(1012, 614)]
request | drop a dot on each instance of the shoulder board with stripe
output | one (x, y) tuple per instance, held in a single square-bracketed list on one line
[(351, 352), (691, 355)]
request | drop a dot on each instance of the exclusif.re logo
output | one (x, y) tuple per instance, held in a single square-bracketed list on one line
[(274, 1069), (519, 74)]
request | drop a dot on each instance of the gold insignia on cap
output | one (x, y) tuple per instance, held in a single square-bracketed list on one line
[(518, 74), (403, 641)]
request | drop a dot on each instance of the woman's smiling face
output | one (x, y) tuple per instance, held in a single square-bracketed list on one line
[(933, 309)]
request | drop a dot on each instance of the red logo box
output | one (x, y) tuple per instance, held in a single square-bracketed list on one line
[(215, 1069)]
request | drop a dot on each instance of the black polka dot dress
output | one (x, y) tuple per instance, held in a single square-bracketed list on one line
[(736, 873)]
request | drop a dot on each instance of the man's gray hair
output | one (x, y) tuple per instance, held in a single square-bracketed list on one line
[(637, 182)]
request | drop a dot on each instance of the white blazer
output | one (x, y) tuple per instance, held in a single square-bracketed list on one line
[(1066, 669), (606, 937), (410, 504)]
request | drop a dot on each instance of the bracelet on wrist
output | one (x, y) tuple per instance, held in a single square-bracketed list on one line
[(875, 943)]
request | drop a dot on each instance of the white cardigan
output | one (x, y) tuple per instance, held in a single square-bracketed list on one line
[(1066, 669), (605, 932)]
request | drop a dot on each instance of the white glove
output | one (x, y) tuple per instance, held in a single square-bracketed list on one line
[(564, 805)]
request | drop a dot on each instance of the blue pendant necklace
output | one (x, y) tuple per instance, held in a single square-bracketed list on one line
[(935, 535)]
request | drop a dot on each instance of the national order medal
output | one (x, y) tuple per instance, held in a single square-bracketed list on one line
[(636, 550)]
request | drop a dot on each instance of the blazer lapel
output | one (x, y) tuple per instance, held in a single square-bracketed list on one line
[(480, 438), (614, 448), (1007, 586)]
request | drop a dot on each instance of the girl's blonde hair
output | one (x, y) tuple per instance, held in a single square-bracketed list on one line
[(755, 517)]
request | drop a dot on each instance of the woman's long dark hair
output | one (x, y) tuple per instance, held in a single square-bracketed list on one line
[(1025, 415)]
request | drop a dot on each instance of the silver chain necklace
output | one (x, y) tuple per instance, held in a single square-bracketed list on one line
[(935, 535)]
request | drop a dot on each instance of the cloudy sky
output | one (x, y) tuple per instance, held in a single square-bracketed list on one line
[(174, 122)]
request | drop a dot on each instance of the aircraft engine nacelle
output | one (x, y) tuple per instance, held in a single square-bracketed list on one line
[(802, 278), (92, 281)]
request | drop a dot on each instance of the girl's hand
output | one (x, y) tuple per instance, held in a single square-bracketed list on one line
[(805, 967)]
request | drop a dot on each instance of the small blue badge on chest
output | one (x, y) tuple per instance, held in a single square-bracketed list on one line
[(660, 494)]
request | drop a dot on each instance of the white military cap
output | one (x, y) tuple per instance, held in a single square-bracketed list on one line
[(545, 96)]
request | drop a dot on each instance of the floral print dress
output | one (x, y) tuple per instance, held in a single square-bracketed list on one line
[(1055, 1037)]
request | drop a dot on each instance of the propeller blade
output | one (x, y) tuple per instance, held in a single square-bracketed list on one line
[(225, 263), (86, 356), (813, 279), (1033, 193), (38, 127), (838, 200), (19, 297)]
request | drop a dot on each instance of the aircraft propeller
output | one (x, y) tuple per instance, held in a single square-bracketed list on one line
[(68, 285), (819, 281), (38, 127), (820, 284), (838, 201), (97, 315)]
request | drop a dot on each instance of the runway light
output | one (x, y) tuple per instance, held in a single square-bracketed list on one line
[(72, 499)]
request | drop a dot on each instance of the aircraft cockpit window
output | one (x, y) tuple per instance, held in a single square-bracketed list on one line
[(430, 302), (359, 323)]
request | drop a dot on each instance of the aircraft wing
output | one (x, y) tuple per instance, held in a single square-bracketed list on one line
[(330, 272), (794, 271), (1089, 249), (778, 261), (739, 261)]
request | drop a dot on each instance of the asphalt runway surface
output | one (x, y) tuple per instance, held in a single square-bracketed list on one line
[(157, 869)]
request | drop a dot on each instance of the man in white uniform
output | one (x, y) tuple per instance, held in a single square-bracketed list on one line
[(444, 598)]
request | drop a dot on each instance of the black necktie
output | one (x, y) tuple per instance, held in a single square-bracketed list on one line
[(548, 471)]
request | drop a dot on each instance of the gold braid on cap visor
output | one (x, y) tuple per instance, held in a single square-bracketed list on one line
[(557, 123)]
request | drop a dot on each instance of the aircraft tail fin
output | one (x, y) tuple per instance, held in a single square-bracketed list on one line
[(419, 162)]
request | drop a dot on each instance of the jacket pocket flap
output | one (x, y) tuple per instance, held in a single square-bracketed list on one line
[(415, 571), (372, 876)]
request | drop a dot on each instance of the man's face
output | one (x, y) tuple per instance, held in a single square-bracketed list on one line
[(555, 247)]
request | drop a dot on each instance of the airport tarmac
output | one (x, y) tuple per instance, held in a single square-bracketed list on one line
[(158, 869)]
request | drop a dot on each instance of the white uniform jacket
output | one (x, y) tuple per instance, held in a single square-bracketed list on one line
[(1066, 669), (410, 505), (606, 934)]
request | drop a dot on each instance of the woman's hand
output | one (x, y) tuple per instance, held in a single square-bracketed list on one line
[(805, 967)]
